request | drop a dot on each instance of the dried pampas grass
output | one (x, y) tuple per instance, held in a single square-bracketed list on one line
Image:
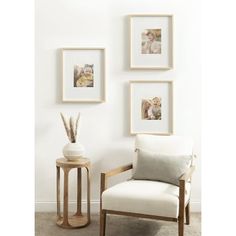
[(77, 125), (71, 129)]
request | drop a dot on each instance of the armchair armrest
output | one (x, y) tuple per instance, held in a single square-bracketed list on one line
[(118, 170), (113, 172)]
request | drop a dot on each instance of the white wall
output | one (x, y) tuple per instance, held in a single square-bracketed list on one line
[(105, 127)]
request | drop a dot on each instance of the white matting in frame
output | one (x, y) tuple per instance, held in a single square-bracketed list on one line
[(151, 107), (83, 74), (151, 42)]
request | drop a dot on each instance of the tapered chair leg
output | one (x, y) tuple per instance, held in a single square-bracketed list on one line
[(181, 226), (187, 212), (102, 223)]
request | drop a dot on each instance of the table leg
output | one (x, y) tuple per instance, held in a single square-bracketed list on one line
[(79, 187), (65, 206), (58, 194), (88, 193)]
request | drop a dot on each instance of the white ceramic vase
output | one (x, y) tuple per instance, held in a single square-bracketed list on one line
[(73, 151)]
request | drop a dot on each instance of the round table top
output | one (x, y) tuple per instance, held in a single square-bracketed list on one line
[(81, 162)]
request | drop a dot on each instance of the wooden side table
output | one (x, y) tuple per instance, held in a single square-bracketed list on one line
[(78, 220)]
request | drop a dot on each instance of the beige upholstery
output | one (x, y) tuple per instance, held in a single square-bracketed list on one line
[(144, 197)]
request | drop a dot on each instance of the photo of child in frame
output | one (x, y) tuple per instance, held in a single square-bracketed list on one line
[(151, 109), (151, 41), (84, 75)]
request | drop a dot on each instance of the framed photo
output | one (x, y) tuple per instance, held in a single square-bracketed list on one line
[(83, 74), (151, 107), (151, 42)]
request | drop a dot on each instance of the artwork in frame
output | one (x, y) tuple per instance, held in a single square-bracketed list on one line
[(151, 107), (151, 42), (83, 74)]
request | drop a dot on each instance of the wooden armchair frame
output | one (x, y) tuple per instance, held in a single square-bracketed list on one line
[(184, 208)]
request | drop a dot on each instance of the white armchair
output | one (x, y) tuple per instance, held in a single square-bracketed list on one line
[(150, 199)]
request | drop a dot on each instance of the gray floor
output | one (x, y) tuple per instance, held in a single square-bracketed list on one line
[(116, 226)]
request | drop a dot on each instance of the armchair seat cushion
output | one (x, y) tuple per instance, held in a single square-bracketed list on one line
[(144, 197)]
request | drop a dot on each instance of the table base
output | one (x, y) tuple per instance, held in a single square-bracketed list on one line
[(74, 222)]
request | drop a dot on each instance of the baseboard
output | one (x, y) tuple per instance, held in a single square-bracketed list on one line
[(95, 205)]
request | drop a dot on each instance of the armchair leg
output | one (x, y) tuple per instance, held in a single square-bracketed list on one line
[(181, 226), (102, 223), (187, 212)]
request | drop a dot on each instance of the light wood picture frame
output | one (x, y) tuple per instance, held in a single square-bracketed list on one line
[(83, 74), (151, 107), (151, 41)]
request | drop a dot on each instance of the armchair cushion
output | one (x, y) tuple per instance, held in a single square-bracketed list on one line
[(144, 197), (152, 166)]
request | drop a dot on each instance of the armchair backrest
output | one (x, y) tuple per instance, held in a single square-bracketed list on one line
[(165, 145)]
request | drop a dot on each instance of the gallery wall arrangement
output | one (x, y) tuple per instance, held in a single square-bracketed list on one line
[(151, 48)]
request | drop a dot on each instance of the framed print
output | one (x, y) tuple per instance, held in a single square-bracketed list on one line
[(151, 107), (151, 42), (83, 74)]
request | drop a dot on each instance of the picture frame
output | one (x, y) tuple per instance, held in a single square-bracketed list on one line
[(151, 41), (83, 74), (151, 107)]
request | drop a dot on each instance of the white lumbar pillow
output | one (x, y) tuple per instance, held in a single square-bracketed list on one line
[(159, 167)]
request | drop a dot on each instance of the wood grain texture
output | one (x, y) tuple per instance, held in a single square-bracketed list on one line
[(81, 162), (102, 213), (181, 207), (88, 193), (79, 191), (58, 194), (103, 216), (118, 170), (187, 213), (65, 203), (141, 215), (78, 220), (75, 222)]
